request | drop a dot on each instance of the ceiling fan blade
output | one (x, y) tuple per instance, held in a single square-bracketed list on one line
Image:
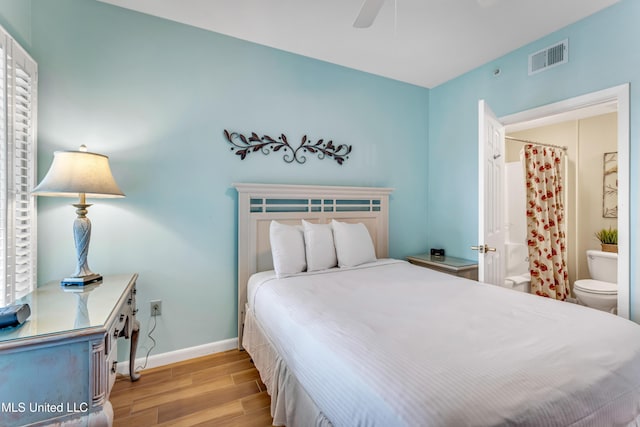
[(487, 3), (368, 13)]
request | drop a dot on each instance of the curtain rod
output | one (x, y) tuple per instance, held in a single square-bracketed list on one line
[(563, 147)]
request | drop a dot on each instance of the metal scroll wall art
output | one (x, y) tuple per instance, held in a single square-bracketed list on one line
[(243, 145)]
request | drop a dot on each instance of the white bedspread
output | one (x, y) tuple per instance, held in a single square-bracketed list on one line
[(392, 344)]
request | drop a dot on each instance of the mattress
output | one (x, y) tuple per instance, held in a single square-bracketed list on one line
[(393, 344)]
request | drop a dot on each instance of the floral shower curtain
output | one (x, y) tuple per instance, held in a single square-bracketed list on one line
[(546, 238)]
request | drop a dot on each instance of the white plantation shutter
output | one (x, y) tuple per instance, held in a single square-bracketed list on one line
[(18, 95), (5, 295)]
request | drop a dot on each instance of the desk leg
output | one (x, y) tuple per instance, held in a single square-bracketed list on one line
[(135, 376)]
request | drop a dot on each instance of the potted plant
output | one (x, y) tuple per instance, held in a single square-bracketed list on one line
[(608, 239)]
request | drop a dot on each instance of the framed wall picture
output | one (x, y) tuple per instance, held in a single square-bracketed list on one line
[(610, 186)]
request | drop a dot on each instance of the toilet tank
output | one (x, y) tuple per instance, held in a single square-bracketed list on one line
[(603, 266)]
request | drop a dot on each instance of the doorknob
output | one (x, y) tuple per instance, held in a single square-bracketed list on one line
[(483, 248)]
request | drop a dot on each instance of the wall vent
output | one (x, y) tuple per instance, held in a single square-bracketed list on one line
[(549, 57)]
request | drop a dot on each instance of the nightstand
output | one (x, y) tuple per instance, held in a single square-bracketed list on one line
[(447, 264)]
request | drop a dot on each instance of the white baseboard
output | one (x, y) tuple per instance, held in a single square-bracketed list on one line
[(179, 355)]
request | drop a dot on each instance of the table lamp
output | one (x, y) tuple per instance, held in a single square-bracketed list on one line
[(79, 174)]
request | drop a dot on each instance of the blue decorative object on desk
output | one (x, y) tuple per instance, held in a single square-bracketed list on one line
[(14, 315)]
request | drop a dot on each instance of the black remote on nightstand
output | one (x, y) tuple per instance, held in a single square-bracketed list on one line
[(14, 315)]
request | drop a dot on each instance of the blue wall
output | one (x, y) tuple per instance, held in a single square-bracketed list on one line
[(155, 96), (15, 17), (603, 52)]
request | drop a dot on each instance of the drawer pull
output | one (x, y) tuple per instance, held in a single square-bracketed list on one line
[(129, 301), (121, 317), (116, 332)]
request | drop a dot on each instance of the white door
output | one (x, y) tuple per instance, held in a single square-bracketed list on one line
[(491, 197)]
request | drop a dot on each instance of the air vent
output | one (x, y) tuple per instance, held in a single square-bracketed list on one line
[(549, 57)]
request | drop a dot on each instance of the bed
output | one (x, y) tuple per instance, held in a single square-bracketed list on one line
[(387, 343)]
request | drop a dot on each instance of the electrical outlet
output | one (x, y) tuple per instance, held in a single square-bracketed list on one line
[(156, 307)]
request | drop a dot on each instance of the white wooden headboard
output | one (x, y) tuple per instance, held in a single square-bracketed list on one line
[(259, 204)]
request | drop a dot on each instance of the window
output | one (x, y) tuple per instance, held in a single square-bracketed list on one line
[(18, 102)]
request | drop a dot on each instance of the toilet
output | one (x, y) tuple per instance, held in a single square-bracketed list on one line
[(521, 282), (601, 291)]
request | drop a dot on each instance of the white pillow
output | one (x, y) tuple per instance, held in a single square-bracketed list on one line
[(353, 244), (318, 243), (287, 248)]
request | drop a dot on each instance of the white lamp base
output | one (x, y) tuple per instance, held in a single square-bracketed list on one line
[(81, 281)]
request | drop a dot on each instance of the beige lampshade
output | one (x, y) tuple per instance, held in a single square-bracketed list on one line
[(75, 172)]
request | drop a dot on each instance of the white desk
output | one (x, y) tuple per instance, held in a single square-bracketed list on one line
[(60, 365)]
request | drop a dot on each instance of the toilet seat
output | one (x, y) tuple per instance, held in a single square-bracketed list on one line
[(596, 287)]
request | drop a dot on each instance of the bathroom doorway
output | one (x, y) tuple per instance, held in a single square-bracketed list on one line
[(607, 101), (590, 137)]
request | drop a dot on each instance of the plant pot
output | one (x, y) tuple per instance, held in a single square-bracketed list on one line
[(607, 247)]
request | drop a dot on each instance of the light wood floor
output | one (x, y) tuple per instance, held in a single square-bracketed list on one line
[(221, 390)]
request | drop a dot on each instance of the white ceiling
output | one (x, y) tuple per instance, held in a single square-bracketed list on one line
[(423, 42)]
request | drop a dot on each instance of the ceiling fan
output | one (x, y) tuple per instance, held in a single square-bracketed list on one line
[(370, 8), (368, 12)]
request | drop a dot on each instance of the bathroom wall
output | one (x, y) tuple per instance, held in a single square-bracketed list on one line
[(587, 140), (597, 136)]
